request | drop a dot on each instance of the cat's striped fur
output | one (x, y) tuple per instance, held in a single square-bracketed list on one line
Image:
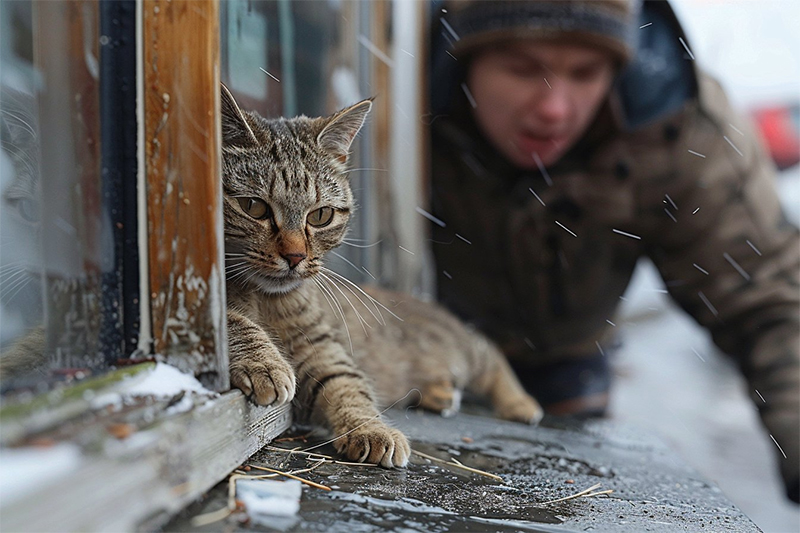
[(277, 326), (293, 333)]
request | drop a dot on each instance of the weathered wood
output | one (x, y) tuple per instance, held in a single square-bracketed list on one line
[(152, 474), (182, 165), (22, 416)]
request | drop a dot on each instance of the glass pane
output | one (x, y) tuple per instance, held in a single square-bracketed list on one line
[(67, 222), (21, 303)]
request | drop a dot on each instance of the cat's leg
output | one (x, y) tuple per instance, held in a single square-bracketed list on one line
[(332, 388), (508, 397), (257, 367)]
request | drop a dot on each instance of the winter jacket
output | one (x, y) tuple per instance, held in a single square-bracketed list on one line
[(668, 171)]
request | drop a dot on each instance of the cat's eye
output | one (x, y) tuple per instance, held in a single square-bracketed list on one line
[(255, 207), (321, 217)]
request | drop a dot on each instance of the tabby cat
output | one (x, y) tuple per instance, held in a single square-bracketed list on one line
[(287, 202)]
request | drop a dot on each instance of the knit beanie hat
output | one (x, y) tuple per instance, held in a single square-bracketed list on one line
[(473, 24)]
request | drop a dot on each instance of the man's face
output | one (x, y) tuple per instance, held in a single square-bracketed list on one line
[(536, 97)]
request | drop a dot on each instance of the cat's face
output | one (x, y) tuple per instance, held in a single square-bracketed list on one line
[(287, 199)]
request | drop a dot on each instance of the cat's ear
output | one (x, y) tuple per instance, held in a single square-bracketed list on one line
[(235, 129), (338, 134)]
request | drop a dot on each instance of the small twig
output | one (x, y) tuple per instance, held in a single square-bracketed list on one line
[(600, 493), (584, 492), (335, 462), (457, 464), (216, 516), (303, 438), (210, 518), (301, 452), (287, 474)]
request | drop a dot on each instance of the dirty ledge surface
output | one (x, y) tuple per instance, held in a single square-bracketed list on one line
[(653, 490)]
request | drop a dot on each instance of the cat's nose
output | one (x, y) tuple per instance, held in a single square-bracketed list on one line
[(294, 259)]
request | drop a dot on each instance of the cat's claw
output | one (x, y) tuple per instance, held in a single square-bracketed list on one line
[(375, 443), (264, 384)]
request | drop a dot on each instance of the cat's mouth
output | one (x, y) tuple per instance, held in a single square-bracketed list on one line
[(277, 285)]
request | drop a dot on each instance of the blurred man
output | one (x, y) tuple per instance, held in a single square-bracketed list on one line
[(570, 139)]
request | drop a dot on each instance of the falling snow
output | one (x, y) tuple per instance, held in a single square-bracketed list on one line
[(733, 145), (625, 233), (377, 52), (754, 248), (708, 304), (566, 228), (778, 445), (268, 74), (686, 47), (542, 169), (536, 195), (471, 99), (430, 217), (736, 265)]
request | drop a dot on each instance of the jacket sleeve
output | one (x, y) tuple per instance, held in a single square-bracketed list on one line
[(732, 260)]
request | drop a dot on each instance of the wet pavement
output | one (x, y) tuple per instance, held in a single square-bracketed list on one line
[(653, 490)]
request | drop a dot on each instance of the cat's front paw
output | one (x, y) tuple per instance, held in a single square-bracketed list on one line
[(375, 443), (265, 382)]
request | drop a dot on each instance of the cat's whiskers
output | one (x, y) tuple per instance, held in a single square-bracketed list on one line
[(360, 318), (360, 169), (373, 300), (322, 286), (14, 275), (233, 264), (337, 276), (244, 276), (344, 241), (316, 282), (236, 271), (12, 265), (17, 285), (346, 260)]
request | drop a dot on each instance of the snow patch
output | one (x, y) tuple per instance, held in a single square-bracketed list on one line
[(25, 470), (162, 382)]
